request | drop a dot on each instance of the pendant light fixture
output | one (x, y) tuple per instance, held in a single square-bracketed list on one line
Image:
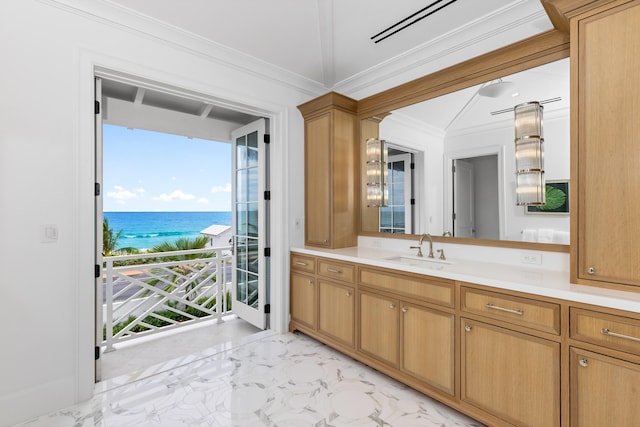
[(377, 191), (530, 184)]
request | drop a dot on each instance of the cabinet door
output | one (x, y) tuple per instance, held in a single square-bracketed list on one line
[(303, 299), (604, 391), (318, 170), (511, 375), (609, 145), (379, 327), (336, 311), (427, 349)]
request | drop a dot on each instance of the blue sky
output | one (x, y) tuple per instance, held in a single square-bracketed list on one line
[(151, 171)]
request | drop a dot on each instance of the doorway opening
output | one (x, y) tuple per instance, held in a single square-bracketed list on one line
[(212, 280)]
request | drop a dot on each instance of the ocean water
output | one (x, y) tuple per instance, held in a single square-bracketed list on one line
[(144, 230)]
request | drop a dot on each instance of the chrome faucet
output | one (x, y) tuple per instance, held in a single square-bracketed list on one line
[(419, 247)]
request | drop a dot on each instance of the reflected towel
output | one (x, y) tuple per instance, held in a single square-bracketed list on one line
[(561, 238), (545, 235), (529, 235)]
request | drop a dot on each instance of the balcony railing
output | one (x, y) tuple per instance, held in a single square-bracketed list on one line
[(154, 292)]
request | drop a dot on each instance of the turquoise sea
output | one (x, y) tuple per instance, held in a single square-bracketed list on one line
[(144, 230)]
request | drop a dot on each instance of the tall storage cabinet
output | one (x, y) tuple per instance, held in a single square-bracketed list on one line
[(331, 171), (605, 51)]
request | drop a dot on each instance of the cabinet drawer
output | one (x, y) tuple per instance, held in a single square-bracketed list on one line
[(539, 315), (303, 263), (607, 330), (337, 270), (431, 289)]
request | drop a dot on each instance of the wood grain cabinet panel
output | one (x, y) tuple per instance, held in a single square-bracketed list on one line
[(427, 346), (605, 244), (336, 312), (513, 376), (604, 391), (303, 263), (337, 270), (379, 327), (610, 331), (526, 312), (303, 299)]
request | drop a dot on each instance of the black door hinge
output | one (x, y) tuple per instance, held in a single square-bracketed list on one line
[(413, 201), (267, 195), (97, 270), (453, 168), (97, 353), (413, 166), (97, 189), (267, 308), (267, 138), (267, 251), (96, 107)]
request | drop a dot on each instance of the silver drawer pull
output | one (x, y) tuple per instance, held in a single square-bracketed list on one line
[(333, 270), (392, 306), (303, 264), (349, 293), (519, 312), (605, 331)]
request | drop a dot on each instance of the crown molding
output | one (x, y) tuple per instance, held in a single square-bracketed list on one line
[(125, 19)]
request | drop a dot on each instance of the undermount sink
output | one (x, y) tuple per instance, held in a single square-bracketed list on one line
[(419, 262)]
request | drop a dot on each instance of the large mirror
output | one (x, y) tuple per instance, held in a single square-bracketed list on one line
[(451, 162)]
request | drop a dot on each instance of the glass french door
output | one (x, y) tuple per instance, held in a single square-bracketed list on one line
[(249, 213)]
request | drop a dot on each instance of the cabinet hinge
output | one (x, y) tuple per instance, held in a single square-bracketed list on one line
[(96, 107), (267, 251), (267, 195), (97, 189), (97, 270), (267, 138)]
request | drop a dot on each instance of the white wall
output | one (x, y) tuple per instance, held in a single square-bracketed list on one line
[(49, 51)]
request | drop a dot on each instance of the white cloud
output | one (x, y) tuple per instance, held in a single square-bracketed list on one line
[(203, 201), (176, 195), (121, 194), (221, 188)]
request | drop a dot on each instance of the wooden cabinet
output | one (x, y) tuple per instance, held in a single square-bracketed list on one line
[(427, 350), (605, 391), (510, 375), (303, 299), (605, 51), (379, 322), (331, 171), (336, 309), (606, 380)]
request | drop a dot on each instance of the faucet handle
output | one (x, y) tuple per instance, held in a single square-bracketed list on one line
[(441, 254), (419, 248)]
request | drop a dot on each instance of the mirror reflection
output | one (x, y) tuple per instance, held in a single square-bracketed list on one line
[(452, 162)]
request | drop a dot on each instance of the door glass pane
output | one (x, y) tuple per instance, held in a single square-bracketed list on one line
[(241, 253), (241, 152), (252, 219), (252, 285), (252, 193), (241, 219), (252, 253), (241, 286), (252, 150), (241, 185), (398, 217)]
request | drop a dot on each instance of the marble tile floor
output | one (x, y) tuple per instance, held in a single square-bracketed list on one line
[(268, 379), (150, 354)]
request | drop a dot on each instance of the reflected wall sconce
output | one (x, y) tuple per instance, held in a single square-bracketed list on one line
[(377, 191), (530, 184)]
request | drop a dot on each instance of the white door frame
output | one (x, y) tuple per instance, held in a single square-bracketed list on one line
[(93, 64)]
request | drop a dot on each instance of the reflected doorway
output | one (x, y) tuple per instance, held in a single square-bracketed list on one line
[(476, 197)]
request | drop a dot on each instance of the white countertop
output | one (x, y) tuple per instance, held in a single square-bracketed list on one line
[(536, 281)]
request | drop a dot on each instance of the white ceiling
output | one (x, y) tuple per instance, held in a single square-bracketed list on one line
[(328, 42)]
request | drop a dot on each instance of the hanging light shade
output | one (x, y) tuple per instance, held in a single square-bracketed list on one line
[(530, 184), (377, 192)]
